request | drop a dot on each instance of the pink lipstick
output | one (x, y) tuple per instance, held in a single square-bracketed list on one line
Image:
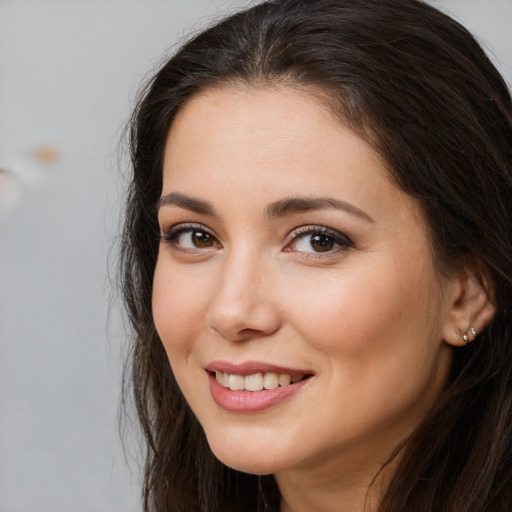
[(253, 386)]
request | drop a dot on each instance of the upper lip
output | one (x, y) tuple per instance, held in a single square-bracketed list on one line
[(253, 367)]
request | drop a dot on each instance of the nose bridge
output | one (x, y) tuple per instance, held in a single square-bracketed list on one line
[(242, 303)]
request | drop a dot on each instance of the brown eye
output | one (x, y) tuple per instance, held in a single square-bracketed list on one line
[(201, 239), (319, 240), (322, 243), (190, 238), (315, 243)]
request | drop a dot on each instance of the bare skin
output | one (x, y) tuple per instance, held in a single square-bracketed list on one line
[(340, 286)]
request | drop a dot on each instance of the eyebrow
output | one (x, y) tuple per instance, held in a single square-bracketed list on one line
[(277, 209), (295, 205), (188, 203)]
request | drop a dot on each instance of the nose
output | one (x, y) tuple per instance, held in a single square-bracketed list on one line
[(243, 306)]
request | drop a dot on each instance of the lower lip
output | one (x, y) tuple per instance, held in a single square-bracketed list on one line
[(251, 401)]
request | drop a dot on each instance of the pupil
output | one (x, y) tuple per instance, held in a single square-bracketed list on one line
[(322, 243), (202, 239)]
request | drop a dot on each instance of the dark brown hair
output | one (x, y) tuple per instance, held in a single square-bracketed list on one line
[(415, 84)]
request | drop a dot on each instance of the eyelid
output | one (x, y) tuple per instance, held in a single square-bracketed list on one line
[(169, 234), (342, 240)]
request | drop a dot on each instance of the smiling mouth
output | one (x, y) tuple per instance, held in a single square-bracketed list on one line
[(257, 381)]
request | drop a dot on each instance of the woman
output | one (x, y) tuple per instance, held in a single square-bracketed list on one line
[(317, 265)]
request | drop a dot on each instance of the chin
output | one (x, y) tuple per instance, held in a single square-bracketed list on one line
[(253, 467), (253, 458)]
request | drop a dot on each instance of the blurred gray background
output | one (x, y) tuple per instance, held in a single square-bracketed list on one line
[(69, 71)]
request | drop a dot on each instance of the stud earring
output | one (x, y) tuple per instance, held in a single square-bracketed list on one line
[(469, 335)]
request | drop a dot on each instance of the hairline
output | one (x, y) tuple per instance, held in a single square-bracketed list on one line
[(335, 106)]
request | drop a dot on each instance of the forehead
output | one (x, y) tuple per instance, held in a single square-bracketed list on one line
[(242, 149), (244, 129)]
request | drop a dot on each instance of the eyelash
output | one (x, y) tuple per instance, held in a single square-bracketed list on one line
[(171, 235), (340, 241)]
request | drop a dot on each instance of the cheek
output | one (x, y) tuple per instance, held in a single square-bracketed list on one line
[(179, 303), (178, 309), (377, 343), (360, 313)]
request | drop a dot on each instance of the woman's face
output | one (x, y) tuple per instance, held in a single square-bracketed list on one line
[(290, 261)]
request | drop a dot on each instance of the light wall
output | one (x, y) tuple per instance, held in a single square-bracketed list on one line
[(68, 74)]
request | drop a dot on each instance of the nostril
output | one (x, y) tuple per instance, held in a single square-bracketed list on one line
[(244, 328), (249, 333)]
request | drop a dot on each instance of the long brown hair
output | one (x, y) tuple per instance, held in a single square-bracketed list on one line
[(414, 84)]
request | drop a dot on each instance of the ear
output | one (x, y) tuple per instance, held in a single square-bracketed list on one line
[(472, 304)]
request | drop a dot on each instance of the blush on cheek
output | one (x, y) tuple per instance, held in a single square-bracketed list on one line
[(178, 318), (347, 319)]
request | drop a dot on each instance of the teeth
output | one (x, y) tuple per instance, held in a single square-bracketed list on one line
[(222, 379), (255, 382), (271, 381), (284, 380), (236, 382)]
